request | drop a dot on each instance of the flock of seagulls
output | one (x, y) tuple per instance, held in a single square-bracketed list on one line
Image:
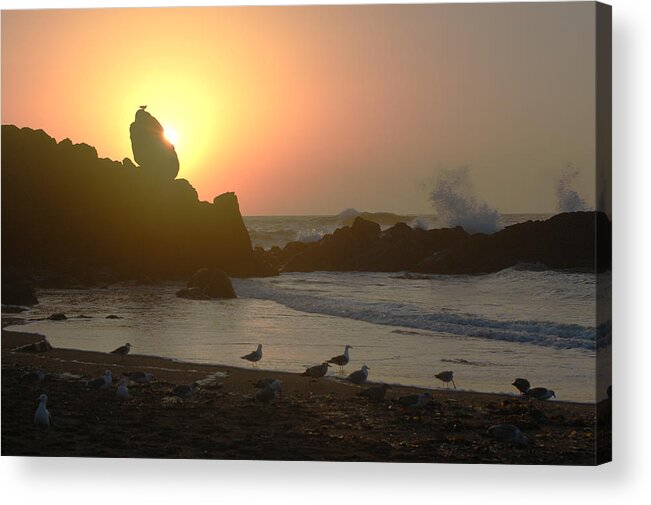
[(270, 389)]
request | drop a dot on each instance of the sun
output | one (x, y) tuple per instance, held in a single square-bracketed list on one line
[(170, 135)]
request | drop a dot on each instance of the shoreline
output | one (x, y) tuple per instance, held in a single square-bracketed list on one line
[(315, 419)]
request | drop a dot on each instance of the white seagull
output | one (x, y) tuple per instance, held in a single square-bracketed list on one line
[(122, 392), (254, 356), (341, 360), (359, 376), (140, 377), (508, 433), (103, 382), (42, 415), (269, 392)]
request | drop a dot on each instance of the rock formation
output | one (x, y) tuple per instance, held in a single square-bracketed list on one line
[(207, 284), (151, 150)]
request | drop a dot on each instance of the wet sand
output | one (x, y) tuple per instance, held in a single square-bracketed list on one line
[(316, 419)]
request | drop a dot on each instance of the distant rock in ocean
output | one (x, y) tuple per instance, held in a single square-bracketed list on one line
[(207, 284), (151, 150), (565, 241)]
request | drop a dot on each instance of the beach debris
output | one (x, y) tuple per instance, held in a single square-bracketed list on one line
[(446, 378), (269, 393), (317, 371), (103, 382), (254, 356), (185, 390), (414, 401), (58, 316), (521, 385), (35, 347), (122, 392), (140, 377), (508, 433), (341, 360), (123, 350), (540, 394), (42, 414), (359, 376), (375, 393), (34, 377)]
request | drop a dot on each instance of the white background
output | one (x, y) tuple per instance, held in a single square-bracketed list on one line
[(626, 480)]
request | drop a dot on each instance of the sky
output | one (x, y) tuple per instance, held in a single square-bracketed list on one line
[(312, 110)]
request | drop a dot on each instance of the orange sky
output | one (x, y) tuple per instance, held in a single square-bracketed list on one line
[(310, 110)]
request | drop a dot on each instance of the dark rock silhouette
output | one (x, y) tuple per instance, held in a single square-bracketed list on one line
[(71, 218), (17, 290), (151, 150), (577, 240), (206, 284)]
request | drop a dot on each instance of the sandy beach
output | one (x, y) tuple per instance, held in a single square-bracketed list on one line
[(315, 419)]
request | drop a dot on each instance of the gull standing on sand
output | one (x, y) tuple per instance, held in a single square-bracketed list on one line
[(101, 382), (341, 360), (122, 350), (541, 394), (269, 392), (375, 393), (414, 401), (140, 377), (185, 390), (508, 433), (317, 371), (122, 391), (254, 356), (521, 385), (42, 415), (359, 376), (446, 377)]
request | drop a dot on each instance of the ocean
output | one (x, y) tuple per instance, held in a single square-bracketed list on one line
[(489, 329)]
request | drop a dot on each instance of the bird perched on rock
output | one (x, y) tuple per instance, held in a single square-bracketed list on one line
[(42, 415), (122, 392), (269, 393), (540, 394), (185, 390), (254, 356), (140, 377), (34, 377), (341, 360), (101, 382), (446, 377), (508, 433), (375, 393), (317, 371), (521, 385), (122, 350), (359, 376), (414, 401)]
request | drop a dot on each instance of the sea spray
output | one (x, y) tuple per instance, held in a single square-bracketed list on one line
[(455, 202), (568, 199)]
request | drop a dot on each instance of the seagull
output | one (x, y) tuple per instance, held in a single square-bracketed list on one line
[(521, 385), (254, 356), (359, 376), (140, 377), (101, 382), (185, 390), (375, 393), (317, 371), (269, 392), (122, 350), (143, 107), (33, 377), (541, 394), (508, 433), (42, 415), (122, 391), (414, 401), (343, 359), (446, 377)]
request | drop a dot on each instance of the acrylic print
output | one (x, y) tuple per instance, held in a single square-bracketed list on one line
[(338, 233)]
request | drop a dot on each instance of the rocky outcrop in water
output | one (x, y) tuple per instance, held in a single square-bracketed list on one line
[(207, 284), (565, 241), (72, 219)]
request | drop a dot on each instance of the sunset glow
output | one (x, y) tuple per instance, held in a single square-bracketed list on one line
[(171, 136)]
